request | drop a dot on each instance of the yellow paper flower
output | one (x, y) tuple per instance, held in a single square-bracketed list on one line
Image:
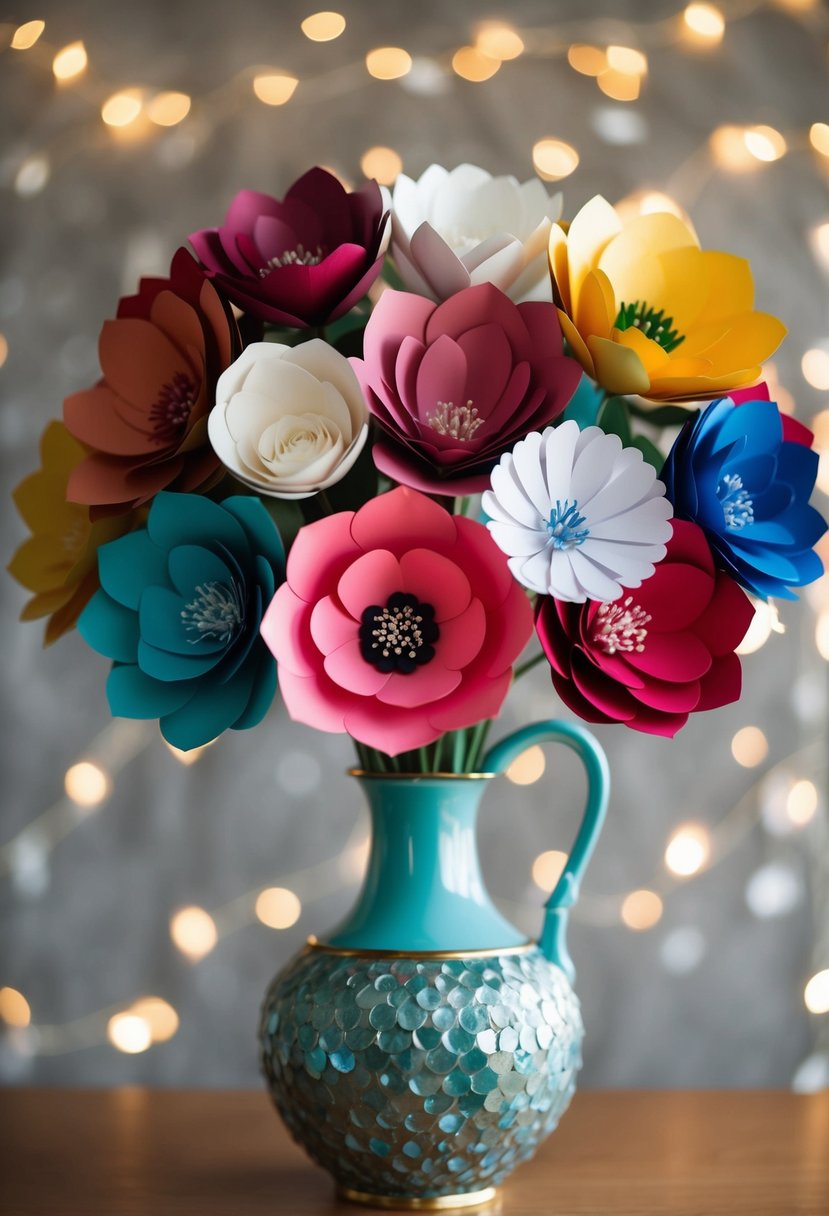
[(58, 562), (647, 312)]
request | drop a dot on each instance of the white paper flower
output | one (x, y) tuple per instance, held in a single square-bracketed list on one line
[(454, 229), (289, 421), (579, 516)]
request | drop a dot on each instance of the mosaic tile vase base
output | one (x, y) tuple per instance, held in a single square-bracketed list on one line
[(426, 1048)]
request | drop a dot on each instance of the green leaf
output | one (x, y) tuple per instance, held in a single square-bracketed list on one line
[(287, 515), (392, 276), (663, 415), (650, 452), (359, 484), (614, 419)]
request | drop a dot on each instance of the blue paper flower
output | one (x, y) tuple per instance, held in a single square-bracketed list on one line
[(179, 611), (731, 471)]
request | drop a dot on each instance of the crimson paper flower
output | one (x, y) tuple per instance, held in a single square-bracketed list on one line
[(650, 658), (303, 261), (456, 384), (396, 623), (146, 419)]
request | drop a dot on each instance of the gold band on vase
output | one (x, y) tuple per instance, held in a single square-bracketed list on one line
[(434, 1203), (434, 955)]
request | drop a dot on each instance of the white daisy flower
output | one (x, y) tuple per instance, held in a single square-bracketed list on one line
[(578, 515)]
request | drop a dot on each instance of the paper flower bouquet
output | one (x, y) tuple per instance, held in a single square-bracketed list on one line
[(361, 448)]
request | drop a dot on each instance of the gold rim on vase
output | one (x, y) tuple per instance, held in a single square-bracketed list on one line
[(434, 1203)]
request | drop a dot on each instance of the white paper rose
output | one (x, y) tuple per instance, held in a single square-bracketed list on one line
[(288, 421), (453, 229)]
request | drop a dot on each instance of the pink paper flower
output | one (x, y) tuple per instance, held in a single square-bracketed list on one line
[(652, 657), (305, 260), (396, 623), (456, 384)]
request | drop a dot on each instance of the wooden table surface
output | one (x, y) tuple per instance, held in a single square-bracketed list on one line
[(138, 1152)]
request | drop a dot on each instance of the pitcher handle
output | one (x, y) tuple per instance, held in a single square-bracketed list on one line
[(553, 940)]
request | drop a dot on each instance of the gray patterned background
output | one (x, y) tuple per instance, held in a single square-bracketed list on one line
[(712, 995)]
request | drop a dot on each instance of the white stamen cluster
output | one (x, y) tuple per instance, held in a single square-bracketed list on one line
[(621, 627), (216, 612), (737, 505), (398, 631), (294, 257), (459, 421)]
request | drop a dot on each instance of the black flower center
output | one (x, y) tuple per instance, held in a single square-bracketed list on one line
[(171, 412), (399, 636)]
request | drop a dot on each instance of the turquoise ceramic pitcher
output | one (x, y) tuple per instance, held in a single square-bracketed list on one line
[(424, 1048)]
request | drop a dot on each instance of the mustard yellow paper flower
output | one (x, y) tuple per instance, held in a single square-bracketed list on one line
[(647, 312), (58, 563)]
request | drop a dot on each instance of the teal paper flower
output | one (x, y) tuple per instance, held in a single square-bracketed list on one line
[(179, 611)]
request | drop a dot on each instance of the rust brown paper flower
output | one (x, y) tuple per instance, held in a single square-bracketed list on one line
[(146, 419)]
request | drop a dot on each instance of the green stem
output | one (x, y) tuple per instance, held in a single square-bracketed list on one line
[(473, 757), (530, 663), (458, 745)]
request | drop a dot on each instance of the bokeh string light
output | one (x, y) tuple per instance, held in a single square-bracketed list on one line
[(620, 73)]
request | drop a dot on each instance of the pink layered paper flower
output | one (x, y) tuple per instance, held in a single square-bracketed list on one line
[(396, 623), (454, 385), (305, 260), (651, 658)]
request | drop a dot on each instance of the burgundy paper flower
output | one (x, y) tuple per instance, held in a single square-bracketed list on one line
[(454, 385), (304, 261), (145, 421), (396, 623), (651, 658)]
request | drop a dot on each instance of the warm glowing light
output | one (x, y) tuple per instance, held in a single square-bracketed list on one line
[(764, 143), (819, 137), (129, 1033), (498, 40), (278, 908), (798, 6), (388, 63), (815, 368), (641, 910), (589, 60), (819, 237), (193, 930), (547, 869), (626, 60), (621, 86), (159, 1015), (27, 35), (554, 159), (471, 64), (650, 202), (383, 164), (323, 27), (816, 993), (688, 850), (122, 108), (822, 634), (764, 623), (749, 747), (729, 150), (14, 1008), (70, 62), (801, 803), (168, 109), (191, 756), (274, 88), (86, 783), (703, 23), (32, 176), (528, 767), (4, 349)]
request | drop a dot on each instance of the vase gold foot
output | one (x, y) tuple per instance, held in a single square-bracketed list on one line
[(433, 1203)]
